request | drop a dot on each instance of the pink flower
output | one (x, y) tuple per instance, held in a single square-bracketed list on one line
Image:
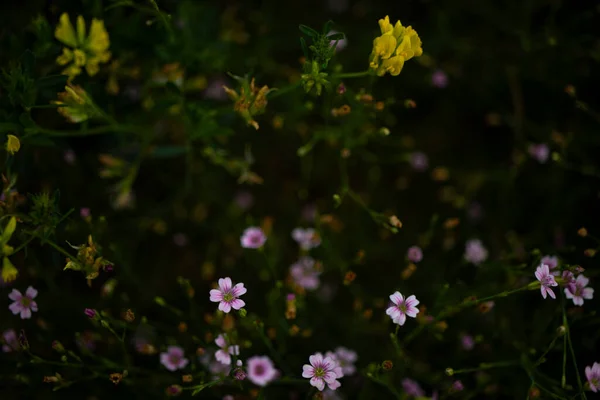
[(224, 354), (475, 252), (419, 161), (579, 291), (402, 307), (85, 212), (569, 279), (305, 274), (412, 388), (550, 261), (467, 342), (345, 358), (261, 370), (10, 341), (253, 238), (306, 238), (457, 386), (227, 296), (23, 304), (542, 273), (540, 152), (322, 371), (593, 376), (415, 254), (173, 359), (341, 44), (439, 79)]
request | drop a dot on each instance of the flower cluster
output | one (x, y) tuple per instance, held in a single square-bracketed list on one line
[(250, 101), (88, 261), (396, 45)]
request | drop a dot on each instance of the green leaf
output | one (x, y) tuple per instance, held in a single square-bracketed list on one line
[(304, 48), (336, 36), (308, 31), (327, 27), (55, 82)]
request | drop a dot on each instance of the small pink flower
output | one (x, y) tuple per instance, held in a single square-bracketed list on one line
[(10, 341), (345, 358), (419, 161), (305, 274), (579, 291), (341, 44), (439, 79), (415, 254), (475, 252), (457, 386), (261, 370), (412, 388), (550, 261), (322, 371), (542, 273), (540, 152), (85, 212), (306, 238), (253, 238), (227, 295), (224, 354), (467, 341), (402, 307), (593, 376), (23, 305), (569, 279), (173, 359)]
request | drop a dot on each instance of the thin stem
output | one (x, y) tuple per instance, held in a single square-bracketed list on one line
[(570, 343), (483, 366), (385, 384), (284, 90), (349, 75)]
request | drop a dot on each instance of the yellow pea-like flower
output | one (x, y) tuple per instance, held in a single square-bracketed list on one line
[(12, 144), (393, 65), (384, 46), (396, 45)]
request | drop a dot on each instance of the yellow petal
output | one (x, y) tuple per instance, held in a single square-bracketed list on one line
[(12, 146), (80, 58), (66, 57), (98, 40), (80, 30), (384, 46), (9, 272), (393, 65), (65, 32), (385, 26)]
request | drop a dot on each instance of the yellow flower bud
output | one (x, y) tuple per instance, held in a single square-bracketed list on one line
[(12, 144), (9, 272)]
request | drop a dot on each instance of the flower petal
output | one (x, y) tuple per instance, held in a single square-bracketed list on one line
[(316, 359), (307, 371), (15, 308), (237, 304), (396, 298), (225, 284), (216, 295), (25, 313), (15, 295), (220, 341), (32, 293), (238, 290), (225, 307)]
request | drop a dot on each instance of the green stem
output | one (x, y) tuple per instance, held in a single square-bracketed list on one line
[(484, 366), (88, 132), (349, 75), (284, 90), (570, 343), (385, 384)]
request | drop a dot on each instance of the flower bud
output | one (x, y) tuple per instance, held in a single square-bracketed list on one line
[(449, 371), (387, 365)]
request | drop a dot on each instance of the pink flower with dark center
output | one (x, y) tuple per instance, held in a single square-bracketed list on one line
[(345, 358), (261, 370), (593, 376), (306, 238), (578, 291), (173, 359), (253, 238), (412, 388), (542, 273), (419, 161), (475, 252), (224, 354), (305, 274), (402, 307), (540, 152), (322, 371), (414, 254), (23, 305), (227, 295), (10, 341)]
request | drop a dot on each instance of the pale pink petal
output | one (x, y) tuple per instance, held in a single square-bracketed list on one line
[(25, 313), (216, 295), (412, 301), (237, 304), (318, 383), (316, 359), (307, 371), (588, 293), (401, 319), (234, 350), (582, 281), (225, 307), (338, 372), (238, 290), (412, 312), (175, 351), (578, 301), (225, 284), (220, 341), (551, 293), (15, 295), (334, 385), (33, 306), (538, 274), (15, 308), (544, 289), (545, 270), (396, 298), (588, 373), (393, 312), (568, 294), (183, 363), (32, 293)]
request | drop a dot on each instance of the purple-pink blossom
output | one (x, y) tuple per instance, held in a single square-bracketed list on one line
[(401, 308), (475, 252), (305, 274), (23, 304), (412, 388), (550, 261), (253, 238), (457, 386), (439, 79), (539, 152), (569, 280), (542, 273), (228, 295), (467, 342), (593, 376), (10, 341), (261, 370), (173, 359), (322, 371), (345, 359), (223, 355), (414, 254), (419, 161), (306, 238), (578, 291)]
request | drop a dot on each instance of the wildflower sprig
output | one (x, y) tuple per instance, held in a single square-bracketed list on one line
[(396, 45), (88, 260), (250, 100)]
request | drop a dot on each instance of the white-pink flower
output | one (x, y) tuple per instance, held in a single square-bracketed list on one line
[(593, 376), (228, 295), (322, 371), (414, 254), (305, 274), (579, 291), (224, 354), (475, 252), (253, 238), (345, 358), (173, 359), (542, 273), (23, 305), (306, 238), (261, 370), (402, 307)]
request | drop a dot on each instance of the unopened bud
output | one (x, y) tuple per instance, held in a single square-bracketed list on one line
[(187, 378), (582, 232), (129, 316), (590, 252), (449, 371), (561, 330), (387, 365)]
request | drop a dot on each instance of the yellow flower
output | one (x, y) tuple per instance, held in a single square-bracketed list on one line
[(9, 272), (12, 144), (396, 45), (82, 50), (250, 101), (76, 104)]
